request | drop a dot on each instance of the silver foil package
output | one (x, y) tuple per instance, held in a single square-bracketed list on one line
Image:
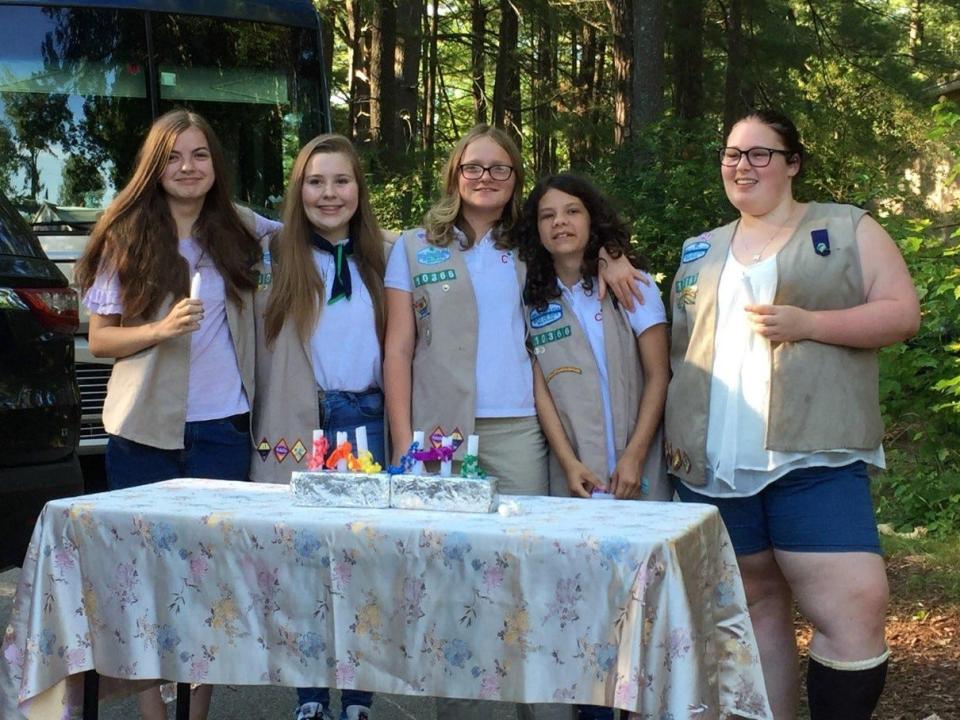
[(431, 492), (340, 489)]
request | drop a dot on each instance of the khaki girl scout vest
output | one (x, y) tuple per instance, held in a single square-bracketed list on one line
[(822, 397), (570, 368), (444, 394), (147, 391), (288, 408)]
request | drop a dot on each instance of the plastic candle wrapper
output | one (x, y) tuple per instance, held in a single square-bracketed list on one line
[(508, 508), (430, 492), (340, 489)]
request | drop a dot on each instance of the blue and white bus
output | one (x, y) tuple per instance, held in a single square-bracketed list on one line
[(80, 83)]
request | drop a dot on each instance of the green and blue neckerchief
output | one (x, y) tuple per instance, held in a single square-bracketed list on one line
[(342, 287)]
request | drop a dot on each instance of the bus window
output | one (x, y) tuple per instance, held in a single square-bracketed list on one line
[(73, 103), (256, 83)]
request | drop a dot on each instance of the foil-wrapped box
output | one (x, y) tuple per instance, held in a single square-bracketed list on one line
[(431, 492), (340, 489)]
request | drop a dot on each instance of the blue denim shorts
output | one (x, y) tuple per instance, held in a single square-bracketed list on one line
[(216, 449), (816, 509)]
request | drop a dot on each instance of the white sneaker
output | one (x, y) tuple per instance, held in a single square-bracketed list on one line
[(356, 712), (313, 711)]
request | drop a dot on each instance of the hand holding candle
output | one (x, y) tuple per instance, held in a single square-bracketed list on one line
[(195, 286)]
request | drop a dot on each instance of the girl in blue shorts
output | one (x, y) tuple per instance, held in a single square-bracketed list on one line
[(773, 412)]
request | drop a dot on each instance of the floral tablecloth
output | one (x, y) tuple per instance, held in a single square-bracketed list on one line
[(630, 604)]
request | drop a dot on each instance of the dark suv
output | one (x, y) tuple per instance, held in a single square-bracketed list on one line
[(39, 400)]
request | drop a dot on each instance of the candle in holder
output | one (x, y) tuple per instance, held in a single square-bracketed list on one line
[(418, 440), (446, 466), (361, 434), (195, 286), (341, 463), (473, 445)]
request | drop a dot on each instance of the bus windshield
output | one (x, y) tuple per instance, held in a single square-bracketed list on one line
[(78, 91)]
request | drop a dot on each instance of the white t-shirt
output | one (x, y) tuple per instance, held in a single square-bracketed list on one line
[(344, 349), (738, 464), (504, 374), (586, 306)]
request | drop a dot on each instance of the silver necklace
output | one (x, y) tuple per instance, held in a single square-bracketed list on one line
[(755, 257)]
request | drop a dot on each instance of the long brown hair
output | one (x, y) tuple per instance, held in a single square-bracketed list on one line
[(137, 238), (441, 218), (297, 290)]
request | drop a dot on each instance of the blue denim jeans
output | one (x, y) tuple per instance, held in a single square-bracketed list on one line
[(344, 412), (215, 449)]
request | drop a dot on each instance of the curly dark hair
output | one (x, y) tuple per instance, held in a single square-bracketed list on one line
[(607, 230)]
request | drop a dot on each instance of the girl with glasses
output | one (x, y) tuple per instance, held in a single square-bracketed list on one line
[(773, 412), (455, 359)]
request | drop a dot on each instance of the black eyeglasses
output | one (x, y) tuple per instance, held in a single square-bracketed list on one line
[(472, 171), (756, 156)]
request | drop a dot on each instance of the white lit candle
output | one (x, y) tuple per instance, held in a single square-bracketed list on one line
[(417, 468), (446, 466), (342, 463), (195, 286), (361, 433), (473, 445)]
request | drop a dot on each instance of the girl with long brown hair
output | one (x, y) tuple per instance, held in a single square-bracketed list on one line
[(179, 396), (320, 324)]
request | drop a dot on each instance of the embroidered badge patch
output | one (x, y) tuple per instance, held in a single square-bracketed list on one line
[(434, 277), (281, 450), (436, 437), (298, 450), (686, 282), (432, 255), (263, 449), (694, 251), (821, 242), (421, 307), (548, 316), (552, 336), (563, 369)]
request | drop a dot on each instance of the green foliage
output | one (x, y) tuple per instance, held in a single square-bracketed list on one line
[(920, 380), (667, 185)]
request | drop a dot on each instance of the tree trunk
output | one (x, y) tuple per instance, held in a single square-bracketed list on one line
[(430, 83), (687, 41), (646, 103), (544, 92), (916, 31), (584, 75), (478, 27), (737, 90), (506, 90), (359, 113), (383, 80), (621, 25), (409, 43)]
